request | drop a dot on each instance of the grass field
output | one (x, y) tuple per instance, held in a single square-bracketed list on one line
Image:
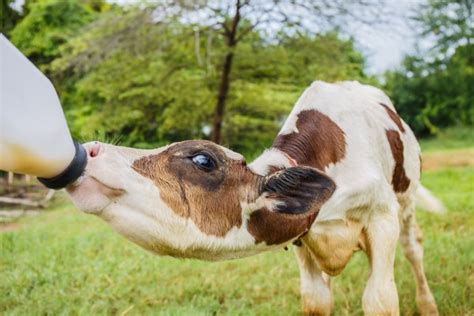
[(68, 263)]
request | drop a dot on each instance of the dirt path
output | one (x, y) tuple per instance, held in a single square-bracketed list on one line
[(8, 227), (447, 159)]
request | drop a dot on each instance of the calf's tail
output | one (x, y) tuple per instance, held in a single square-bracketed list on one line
[(427, 201)]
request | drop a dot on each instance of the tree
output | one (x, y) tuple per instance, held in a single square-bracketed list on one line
[(449, 22), (48, 24), (154, 82), (435, 89), (8, 16), (230, 22), (234, 20)]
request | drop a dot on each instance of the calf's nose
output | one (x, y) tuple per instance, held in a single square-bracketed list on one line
[(93, 150)]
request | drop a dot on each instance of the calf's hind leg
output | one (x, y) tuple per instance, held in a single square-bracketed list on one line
[(410, 240), (315, 287)]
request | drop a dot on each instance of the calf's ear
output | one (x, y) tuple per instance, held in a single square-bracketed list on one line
[(292, 198), (298, 190)]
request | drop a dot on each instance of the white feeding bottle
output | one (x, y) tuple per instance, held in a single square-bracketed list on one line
[(34, 137)]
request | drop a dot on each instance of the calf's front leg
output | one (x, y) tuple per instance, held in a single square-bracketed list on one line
[(315, 284), (381, 236)]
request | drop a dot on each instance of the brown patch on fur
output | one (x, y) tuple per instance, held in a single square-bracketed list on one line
[(276, 228), (400, 181), (318, 142), (394, 117), (210, 199)]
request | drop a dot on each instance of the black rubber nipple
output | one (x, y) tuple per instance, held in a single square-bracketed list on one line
[(71, 173)]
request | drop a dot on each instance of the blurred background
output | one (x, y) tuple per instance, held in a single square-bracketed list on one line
[(157, 72), (147, 73)]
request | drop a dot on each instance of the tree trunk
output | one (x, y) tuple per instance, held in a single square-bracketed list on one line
[(221, 99), (231, 36)]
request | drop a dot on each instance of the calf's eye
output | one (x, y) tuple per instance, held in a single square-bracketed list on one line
[(204, 162)]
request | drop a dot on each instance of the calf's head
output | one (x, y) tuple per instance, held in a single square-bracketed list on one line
[(197, 199)]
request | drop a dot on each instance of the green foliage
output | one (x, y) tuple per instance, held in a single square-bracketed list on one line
[(300, 59), (436, 90), (433, 95), (449, 138), (325, 56), (450, 22), (8, 16), (254, 114), (49, 24), (147, 88), (154, 83)]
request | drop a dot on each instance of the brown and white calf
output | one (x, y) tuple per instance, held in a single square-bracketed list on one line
[(342, 176)]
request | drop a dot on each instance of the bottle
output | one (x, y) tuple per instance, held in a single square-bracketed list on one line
[(34, 137)]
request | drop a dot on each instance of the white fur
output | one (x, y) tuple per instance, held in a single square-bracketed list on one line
[(315, 284), (427, 201), (270, 157)]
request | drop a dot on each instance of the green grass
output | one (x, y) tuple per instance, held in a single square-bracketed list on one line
[(450, 138), (69, 263), (65, 262)]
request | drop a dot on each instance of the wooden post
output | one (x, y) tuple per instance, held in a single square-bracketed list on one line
[(10, 178)]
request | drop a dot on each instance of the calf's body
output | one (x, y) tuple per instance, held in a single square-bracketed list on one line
[(353, 134), (341, 176)]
